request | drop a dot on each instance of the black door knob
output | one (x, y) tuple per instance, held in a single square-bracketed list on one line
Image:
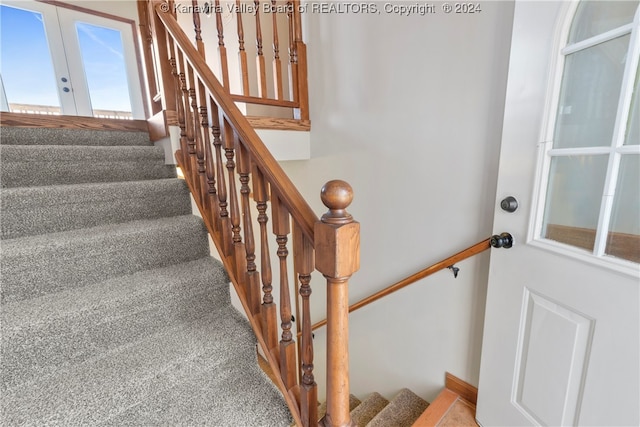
[(504, 240), (509, 204)]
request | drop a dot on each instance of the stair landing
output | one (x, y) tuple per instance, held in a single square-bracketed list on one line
[(455, 406)]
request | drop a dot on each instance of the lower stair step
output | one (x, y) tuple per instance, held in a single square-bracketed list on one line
[(368, 409), (201, 372), (402, 410), (38, 265), (41, 335), (353, 403), (39, 165), (29, 211), (60, 136)]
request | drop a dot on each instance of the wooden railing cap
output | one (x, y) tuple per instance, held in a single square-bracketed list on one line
[(337, 195)]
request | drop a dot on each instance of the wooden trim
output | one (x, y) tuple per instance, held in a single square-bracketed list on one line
[(70, 122), (456, 392), (437, 410), (158, 126), (89, 11), (467, 253), (279, 124), (266, 368), (302, 112), (264, 101), (462, 388), (621, 245)]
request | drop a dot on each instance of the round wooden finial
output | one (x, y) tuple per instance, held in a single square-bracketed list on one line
[(337, 195)]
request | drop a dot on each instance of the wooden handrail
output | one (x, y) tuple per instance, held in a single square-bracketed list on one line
[(264, 101), (441, 265), (289, 194)]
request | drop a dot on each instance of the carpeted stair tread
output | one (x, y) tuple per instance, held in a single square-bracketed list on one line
[(52, 136), (402, 410), (353, 403), (28, 166), (368, 409), (43, 334), (194, 398), (37, 265), (28, 211), (82, 153), (192, 373)]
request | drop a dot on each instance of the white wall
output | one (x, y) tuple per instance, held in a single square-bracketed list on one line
[(409, 111)]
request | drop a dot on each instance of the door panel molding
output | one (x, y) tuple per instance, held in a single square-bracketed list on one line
[(547, 324)]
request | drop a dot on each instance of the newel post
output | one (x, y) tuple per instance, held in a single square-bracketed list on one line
[(337, 245)]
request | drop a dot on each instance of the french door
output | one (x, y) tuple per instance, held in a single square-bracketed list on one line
[(57, 60)]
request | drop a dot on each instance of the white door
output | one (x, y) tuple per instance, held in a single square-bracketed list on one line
[(57, 60), (562, 328)]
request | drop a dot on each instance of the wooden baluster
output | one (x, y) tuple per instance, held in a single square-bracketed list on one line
[(210, 185), (184, 148), (337, 244), (277, 64), (293, 61), (281, 228), (193, 165), (268, 308), (180, 111), (297, 21), (222, 50), (242, 54), (253, 277), (239, 256), (196, 27), (225, 220), (201, 183), (303, 260), (300, 57), (260, 63), (212, 168)]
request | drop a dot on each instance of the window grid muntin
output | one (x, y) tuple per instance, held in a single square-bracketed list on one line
[(615, 149)]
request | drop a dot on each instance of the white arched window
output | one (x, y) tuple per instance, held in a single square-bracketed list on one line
[(591, 171)]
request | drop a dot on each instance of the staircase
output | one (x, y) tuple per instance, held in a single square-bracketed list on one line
[(376, 411), (453, 407), (112, 311)]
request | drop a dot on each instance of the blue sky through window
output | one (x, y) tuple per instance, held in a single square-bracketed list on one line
[(25, 61), (105, 70)]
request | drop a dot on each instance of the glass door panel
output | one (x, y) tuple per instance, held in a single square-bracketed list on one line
[(590, 94), (573, 199), (596, 17), (101, 53), (623, 240), (32, 62), (105, 69)]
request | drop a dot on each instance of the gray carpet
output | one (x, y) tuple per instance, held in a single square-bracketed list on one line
[(112, 311)]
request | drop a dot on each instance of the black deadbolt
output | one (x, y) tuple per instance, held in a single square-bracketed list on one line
[(509, 204)]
